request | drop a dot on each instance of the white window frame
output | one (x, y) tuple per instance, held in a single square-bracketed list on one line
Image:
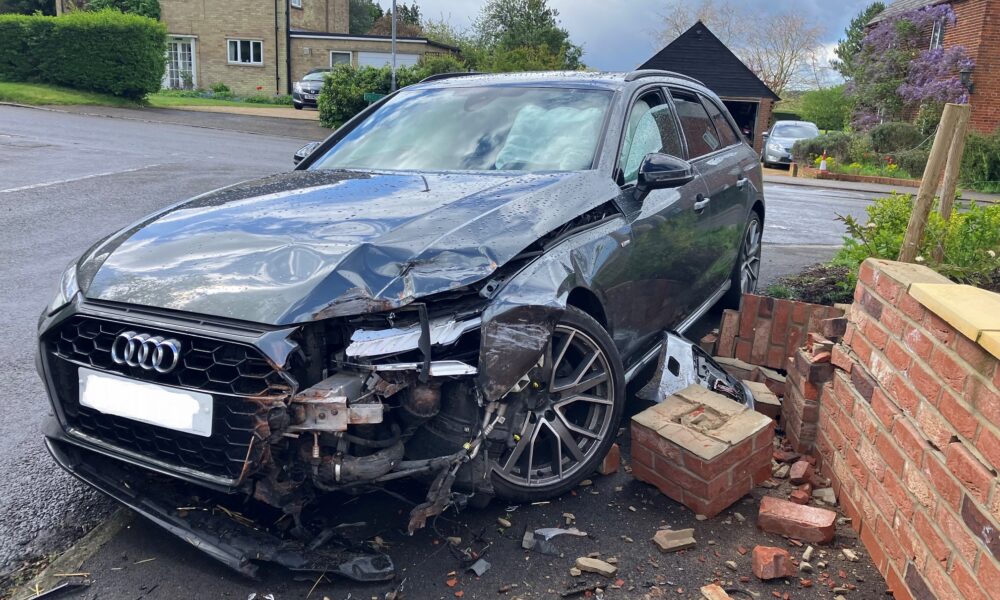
[(937, 34), (350, 57), (295, 3), (238, 62)]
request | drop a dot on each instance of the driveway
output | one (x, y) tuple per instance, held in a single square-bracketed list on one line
[(69, 179)]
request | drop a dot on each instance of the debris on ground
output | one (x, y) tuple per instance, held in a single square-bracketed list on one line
[(479, 567), (612, 461), (669, 540), (595, 565), (714, 592), (772, 563), (548, 533), (806, 523)]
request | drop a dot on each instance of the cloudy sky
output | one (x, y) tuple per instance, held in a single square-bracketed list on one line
[(617, 35)]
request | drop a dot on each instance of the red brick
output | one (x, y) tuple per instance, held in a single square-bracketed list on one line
[(761, 341), (806, 523), (743, 350), (727, 333), (799, 497), (875, 334), (904, 396), (986, 400), (989, 445), (887, 287), (988, 571), (956, 532), (925, 382), (974, 477), (870, 303), (612, 461), (938, 549), (890, 452), (800, 472), (866, 273), (894, 487), (907, 535), (933, 426), (966, 583), (882, 500), (863, 383), (780, 321), (938, 328), (667, 488), (912, 308), (655, 443), (841, 359), (898, 356), (894, 322), (939, 582), (748, 314), (800, 313), (917, 483), (909, 439), (708, 471), (948, 369), (869, 537), (871, 459), (862, 348), (941, 478), (978, 358), (897, 588), (858, 469), (884, 409), (865, 420), (918, 342), (960, 416), (766, 307), (890, 543), (772, 563)]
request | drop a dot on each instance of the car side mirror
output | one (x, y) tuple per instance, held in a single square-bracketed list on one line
[(765, 135), (305, 151), (659, 171)]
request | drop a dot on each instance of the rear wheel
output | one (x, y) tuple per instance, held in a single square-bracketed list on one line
[(297, 106), (562, 425), (746, 271)]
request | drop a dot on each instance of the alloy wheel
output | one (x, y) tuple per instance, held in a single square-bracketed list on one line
[(564, 416), (750, 257)]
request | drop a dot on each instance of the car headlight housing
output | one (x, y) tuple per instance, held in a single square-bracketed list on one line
[(68, 287), (297, 87), (775, 147)]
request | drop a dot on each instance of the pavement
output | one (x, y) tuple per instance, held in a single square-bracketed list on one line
[(868, 188), (72, 176), (252, 111)]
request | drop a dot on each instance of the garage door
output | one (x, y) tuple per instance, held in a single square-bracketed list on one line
[(381, 59)]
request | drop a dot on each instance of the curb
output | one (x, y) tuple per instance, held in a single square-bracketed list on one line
[(71, 560), (874, 188)]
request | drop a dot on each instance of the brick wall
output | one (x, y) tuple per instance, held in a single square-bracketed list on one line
[(312, 53), (977, 28), (766, 331), (330, 16), (909, 433)]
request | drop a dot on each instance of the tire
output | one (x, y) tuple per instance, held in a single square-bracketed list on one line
[(297, 106), (539, 418), (740, 280)]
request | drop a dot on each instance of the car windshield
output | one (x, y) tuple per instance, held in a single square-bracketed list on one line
[(477, 129), (795, 130), (315, 76)]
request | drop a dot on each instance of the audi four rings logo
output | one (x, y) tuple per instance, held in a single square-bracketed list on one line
[(152, 353)]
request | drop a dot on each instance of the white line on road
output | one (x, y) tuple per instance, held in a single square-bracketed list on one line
[(62, 181)]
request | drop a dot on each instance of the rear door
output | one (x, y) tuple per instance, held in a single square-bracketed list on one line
[(718, 154)]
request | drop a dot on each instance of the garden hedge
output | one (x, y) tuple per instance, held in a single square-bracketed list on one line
[(105, 51), (895, 137)]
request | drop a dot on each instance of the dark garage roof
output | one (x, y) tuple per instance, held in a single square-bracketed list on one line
[(698, 53)]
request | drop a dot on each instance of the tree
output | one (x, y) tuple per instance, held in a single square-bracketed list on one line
[(363, 14), (510, 26), (27, 7), (407, 25), (849, 46), (828, 108), (146, 8), (780, 49)]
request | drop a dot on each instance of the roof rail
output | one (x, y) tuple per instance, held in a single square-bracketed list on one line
[(641, 73), (440, 76)]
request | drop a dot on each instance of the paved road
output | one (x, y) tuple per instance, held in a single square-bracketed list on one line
[(69, 179)]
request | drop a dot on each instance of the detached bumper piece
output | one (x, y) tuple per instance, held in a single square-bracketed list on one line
[(683, 363), (235, 542)]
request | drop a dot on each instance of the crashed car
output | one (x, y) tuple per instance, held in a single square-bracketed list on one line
[(456, 286)]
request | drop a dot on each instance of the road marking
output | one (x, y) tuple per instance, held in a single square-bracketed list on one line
[(74, 179)]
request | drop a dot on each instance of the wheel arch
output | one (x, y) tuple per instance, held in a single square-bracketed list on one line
[(587, 301)]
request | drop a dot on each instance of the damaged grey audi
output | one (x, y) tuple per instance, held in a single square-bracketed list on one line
[(455, 288)]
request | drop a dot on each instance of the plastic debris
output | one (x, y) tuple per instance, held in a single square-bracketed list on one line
[(479, 567), (550, 532)]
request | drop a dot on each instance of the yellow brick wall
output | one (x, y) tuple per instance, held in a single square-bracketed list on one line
[(309, 53), (330, 16)]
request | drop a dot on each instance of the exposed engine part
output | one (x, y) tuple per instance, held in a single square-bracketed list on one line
[(683, 363), (422, 401), (331, 405), (334, 470)]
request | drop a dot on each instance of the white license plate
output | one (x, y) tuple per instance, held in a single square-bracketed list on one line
[(309, 96), (180, 410)]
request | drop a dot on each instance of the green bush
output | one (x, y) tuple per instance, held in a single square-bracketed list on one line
[(343, 92), (221, 88), (893, 137), (981, 162), (836, 144), (265, 99), (106, 51), (859, 150), (781, 115), (912, 161), (145, 8), (970, 239), (828, 108)]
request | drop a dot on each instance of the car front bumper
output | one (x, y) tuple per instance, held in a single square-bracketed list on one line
[(304, 99)]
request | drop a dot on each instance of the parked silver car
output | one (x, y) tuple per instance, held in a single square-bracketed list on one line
[(779, 140)]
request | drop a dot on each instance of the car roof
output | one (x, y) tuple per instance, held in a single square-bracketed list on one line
[(568, 79)]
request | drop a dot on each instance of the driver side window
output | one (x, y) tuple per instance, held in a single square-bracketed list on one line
[(651, 127)]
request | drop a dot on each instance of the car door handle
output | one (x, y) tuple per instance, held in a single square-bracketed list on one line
[(742, 181), (701, 204)]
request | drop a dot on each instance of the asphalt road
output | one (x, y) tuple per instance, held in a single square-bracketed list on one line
[(67, 180)]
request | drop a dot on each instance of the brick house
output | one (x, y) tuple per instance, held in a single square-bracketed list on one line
[(977, 29), (700, 54), (265, 46)]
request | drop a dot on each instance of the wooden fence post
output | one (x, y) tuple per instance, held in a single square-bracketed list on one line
[(929, 183), (951, 172)]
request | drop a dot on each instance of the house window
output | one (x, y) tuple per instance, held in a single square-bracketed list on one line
[(339, 58), (937, 34), (295, 3), (246, 52)]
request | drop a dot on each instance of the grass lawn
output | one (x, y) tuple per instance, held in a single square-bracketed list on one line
[(39, 94)]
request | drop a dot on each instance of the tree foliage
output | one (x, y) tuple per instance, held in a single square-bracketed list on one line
[(529, 29), (363, 14), (850, 45), (828, 108), (895, 71), (27, 7), (145, 8)]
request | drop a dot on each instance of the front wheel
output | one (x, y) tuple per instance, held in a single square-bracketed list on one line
[(746, 271), (562, 425)]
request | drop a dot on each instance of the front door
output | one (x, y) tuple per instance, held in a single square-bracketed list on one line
[(180, 73)]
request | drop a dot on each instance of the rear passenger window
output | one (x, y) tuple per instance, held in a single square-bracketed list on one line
[(726, 132), (696, 124), (651, 128)]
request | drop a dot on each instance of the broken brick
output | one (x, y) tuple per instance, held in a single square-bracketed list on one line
[(612, 461), (786, 456), (765, 402), (772, 563), (669, 540), (786, 518), (801, 472), (799, 497)]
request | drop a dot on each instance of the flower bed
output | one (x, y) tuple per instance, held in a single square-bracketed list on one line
[(814, 173)]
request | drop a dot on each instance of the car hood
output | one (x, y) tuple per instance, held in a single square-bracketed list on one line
[(308, 245), (785, 142)]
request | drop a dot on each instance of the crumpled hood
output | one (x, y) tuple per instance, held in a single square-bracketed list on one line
[(307, 245)]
